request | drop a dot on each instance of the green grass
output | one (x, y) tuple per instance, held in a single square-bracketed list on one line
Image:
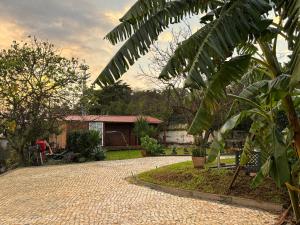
[(185, 176), (179, 150), (124, 154), (132, 154)]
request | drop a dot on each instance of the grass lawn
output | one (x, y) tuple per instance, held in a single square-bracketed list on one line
[(131, 154), (124, 154), (184, 175), (179, 150)]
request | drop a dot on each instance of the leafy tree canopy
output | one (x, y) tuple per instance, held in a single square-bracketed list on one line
[(37, 87)]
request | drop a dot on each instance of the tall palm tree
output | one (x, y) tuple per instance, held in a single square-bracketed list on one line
[(236, 40)]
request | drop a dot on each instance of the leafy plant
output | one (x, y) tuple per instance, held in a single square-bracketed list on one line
[(142, 128), (199, 152), (36, 85), (82, 160), (237, 42), (174, 151), (83, 142), (151, 146), (99, 154)]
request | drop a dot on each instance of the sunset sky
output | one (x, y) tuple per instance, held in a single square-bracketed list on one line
[(77, 27)]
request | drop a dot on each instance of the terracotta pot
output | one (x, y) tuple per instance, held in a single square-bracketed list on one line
[(198, 162)]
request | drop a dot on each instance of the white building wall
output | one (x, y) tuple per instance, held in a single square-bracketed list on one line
[(178, 137)]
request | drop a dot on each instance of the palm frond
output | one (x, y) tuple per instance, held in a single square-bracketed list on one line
[(291, 12), (218, 142), (230, 71), (215, 42), (254, 89), (142, 25)]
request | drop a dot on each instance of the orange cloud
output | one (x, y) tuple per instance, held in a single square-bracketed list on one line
[(114, 16), (9, 32)]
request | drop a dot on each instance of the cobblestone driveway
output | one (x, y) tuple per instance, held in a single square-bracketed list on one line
[(96, 193)]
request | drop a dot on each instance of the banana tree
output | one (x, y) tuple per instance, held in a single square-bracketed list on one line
[(237, 41)]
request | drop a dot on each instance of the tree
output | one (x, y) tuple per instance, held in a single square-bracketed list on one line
[(37, 87), (237, 39), (110, 100), (142, 128), (183, 99)]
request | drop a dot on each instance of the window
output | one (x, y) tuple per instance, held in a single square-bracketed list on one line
[(97, 126)]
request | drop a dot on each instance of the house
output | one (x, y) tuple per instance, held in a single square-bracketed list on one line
[(115, 131), (177, 134)]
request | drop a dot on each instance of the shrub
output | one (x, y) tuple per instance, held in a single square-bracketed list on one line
[(199, 152), (99, 154), (151, 146), (142, 128), (174, 151), (71, 157), (82, 160), (83, 142)]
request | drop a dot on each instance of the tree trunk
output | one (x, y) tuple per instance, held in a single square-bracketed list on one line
[(293, 121)]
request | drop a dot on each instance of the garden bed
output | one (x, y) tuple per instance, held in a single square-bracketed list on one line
[(214, 181)]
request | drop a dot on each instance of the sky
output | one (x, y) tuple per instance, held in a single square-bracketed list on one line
[(77, 27)]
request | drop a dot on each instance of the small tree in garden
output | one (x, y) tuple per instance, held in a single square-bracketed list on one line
[(37, 88), (151, 146), (237, 41), (142, 128)]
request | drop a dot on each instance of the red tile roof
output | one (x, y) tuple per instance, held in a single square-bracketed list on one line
[(111, 119)]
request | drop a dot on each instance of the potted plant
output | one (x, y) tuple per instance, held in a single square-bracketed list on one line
[(198, 157)]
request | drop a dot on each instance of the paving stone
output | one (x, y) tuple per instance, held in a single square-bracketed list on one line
[(96, 193)]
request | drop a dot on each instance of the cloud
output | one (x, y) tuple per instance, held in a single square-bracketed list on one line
[(9, 31), (77, 27), (113, 16)]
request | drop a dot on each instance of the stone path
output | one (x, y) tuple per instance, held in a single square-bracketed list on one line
[(96, 193)]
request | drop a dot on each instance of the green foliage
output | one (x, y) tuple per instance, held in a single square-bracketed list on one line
[(142, 128), (151, 146), (111, 100), (174, 151), (36, 85), (82, 160), (4, 156), (83, 142), (99, 154), (199, 152), (208, 60), (141, 25), (230, 71), (141, 31)]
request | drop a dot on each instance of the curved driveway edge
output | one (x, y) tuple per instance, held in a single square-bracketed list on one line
[(97, 193), (225, 199)]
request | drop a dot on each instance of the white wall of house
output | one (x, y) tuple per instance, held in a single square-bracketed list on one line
[(178, 137), (177, 134)]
